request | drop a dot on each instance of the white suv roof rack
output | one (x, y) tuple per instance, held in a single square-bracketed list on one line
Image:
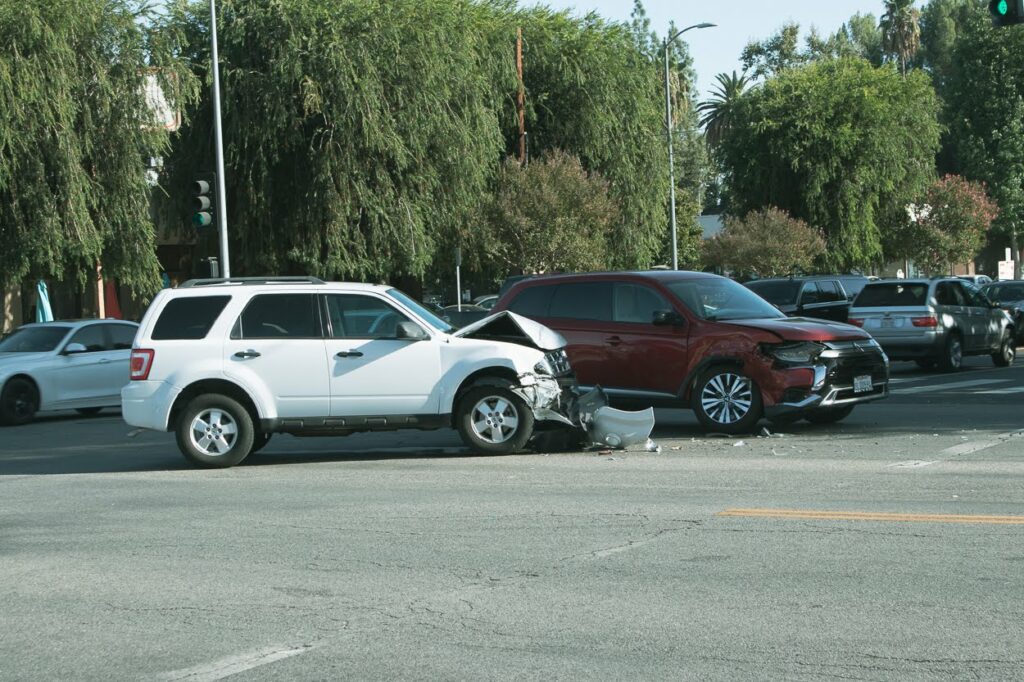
[(249, 281)]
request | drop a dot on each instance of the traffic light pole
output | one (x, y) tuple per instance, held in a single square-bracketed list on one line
[(221, 203)]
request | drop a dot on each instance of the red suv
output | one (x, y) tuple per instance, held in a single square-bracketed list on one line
[(672, 338)]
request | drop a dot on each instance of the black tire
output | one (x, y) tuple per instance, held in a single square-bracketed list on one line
[(726, 400), (19, 402), (829, 415), (483, 409), (952, 353), (1007, 351), (209, 412), (88, 411), (260, 441), (926, 363)]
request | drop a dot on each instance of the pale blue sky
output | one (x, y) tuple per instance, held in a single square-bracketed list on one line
[(717, 50)]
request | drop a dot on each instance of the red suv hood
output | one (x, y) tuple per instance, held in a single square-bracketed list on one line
[(805, 329)]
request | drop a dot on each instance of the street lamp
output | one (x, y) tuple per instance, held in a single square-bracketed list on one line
[(221, 204), (668, 129)]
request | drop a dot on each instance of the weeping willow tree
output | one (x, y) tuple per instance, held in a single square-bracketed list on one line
[(75, 137), (363, 137)]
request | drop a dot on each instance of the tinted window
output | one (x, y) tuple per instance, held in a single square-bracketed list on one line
[(973, 295), (946, 293), (92, 337), (420, 310), (853, 285), (892, 294), (532, 302), (189, 318), (362, 317), (1005, 292), (33, 339), (121, 335), (637, 303), (828, 292), (279, 316), (582, 301), (776, 291), (810, 295)]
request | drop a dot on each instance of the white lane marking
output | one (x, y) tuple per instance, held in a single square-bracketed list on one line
[(232, 665), (1001, 391), (968, 448), (910, 464), (944, 387)]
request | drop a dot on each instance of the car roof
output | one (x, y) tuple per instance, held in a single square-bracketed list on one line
[(74, 324), (658, 275), (201, 287), (805, 278)]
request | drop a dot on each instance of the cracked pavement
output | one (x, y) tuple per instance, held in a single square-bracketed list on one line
[(399, 556)]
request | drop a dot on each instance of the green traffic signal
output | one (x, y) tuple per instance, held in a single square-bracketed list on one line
[(1002, 7)]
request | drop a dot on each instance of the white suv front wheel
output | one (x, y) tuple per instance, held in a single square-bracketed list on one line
[(493, 420), (215, 431)]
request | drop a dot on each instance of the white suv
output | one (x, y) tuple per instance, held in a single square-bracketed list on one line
[(227, 363)]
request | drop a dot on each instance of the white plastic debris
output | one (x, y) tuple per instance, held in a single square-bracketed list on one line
[(651, 446), (739, 444)]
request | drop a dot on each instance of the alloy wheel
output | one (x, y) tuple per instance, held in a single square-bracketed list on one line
[(494, 419), (727, 397), (213, 432), (956, 352)]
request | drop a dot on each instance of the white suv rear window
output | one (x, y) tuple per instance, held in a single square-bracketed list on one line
[(188, 317)]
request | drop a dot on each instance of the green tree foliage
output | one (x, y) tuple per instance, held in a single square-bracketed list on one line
[(860, 37), (363, 136), (947, 225), (901, 31), (839, 144), (75, 135), (768, 242), (550, 216), (775, 54), (984, 96), (716, 111)]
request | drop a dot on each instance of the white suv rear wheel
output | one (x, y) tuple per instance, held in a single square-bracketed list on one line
[(215, 431)]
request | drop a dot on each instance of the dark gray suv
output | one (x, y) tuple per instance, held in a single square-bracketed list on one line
[(934, 322)]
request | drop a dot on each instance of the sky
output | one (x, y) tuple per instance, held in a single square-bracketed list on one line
[(717, 50)]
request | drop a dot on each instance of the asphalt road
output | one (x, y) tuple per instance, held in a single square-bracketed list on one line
[(885, 547)]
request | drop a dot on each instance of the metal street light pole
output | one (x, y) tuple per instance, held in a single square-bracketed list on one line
[(668, 131), (222, 209)]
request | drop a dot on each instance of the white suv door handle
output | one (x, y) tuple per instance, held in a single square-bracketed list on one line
[(349, 354), (247, 354)]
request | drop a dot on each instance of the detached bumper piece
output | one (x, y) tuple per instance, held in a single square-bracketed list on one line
[(846, 373), (559, 400)]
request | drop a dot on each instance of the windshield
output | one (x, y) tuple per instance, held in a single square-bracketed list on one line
[(1005, 292), (891, 294), (33, 339), (777, 291), (421, 310), (719, 299)]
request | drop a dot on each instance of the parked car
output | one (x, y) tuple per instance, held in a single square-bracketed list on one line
[(977, 280), (461, 316), (486, 302), (1009, 295), (935, 322), (68, 365), (673, 338), (820, 296), (227, 363)]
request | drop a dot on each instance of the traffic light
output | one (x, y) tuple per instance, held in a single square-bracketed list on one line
[(1006, 12), (202, 203)]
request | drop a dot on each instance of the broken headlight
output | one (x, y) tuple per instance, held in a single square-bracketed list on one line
[(555, 364), (803, 353)]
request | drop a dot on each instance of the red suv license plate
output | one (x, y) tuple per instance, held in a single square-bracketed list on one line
[(862, 384)]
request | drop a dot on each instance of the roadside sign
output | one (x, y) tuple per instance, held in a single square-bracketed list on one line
[(1006, 269)]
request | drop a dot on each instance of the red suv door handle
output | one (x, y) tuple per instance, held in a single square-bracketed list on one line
[(613, 340)]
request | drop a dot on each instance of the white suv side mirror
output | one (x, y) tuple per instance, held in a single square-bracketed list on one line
[(410, 331)]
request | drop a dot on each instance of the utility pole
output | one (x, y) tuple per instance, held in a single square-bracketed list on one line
[(521, 99), (222, 209)]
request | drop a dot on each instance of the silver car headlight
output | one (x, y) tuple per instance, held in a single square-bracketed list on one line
[(554, 363)]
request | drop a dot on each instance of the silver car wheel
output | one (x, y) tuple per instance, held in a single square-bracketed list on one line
[(213, 432), (727, 397), (494, 419), (956, 352)]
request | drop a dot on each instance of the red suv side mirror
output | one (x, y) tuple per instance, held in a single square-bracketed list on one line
[(668, 318)]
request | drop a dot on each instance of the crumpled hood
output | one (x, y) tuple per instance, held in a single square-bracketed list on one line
[(804, 329), (511, 328)]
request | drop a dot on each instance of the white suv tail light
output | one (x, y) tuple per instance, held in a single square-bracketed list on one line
[(142, 362)]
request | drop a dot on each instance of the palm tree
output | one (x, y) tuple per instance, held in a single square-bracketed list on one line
[(716, 112), (901, 30)]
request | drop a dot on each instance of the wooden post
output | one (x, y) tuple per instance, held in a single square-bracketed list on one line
[(521, 99)]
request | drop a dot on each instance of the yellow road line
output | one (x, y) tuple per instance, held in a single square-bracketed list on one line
[(870, 516)]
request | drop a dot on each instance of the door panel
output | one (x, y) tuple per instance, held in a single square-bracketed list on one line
[(372, 373), (84, 377)]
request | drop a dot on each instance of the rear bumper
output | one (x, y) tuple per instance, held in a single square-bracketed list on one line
[(147, 404), (927, 344), (833, 383)]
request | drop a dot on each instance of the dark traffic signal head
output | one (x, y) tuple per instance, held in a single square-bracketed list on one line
[(202, 204), (1006, 12)]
